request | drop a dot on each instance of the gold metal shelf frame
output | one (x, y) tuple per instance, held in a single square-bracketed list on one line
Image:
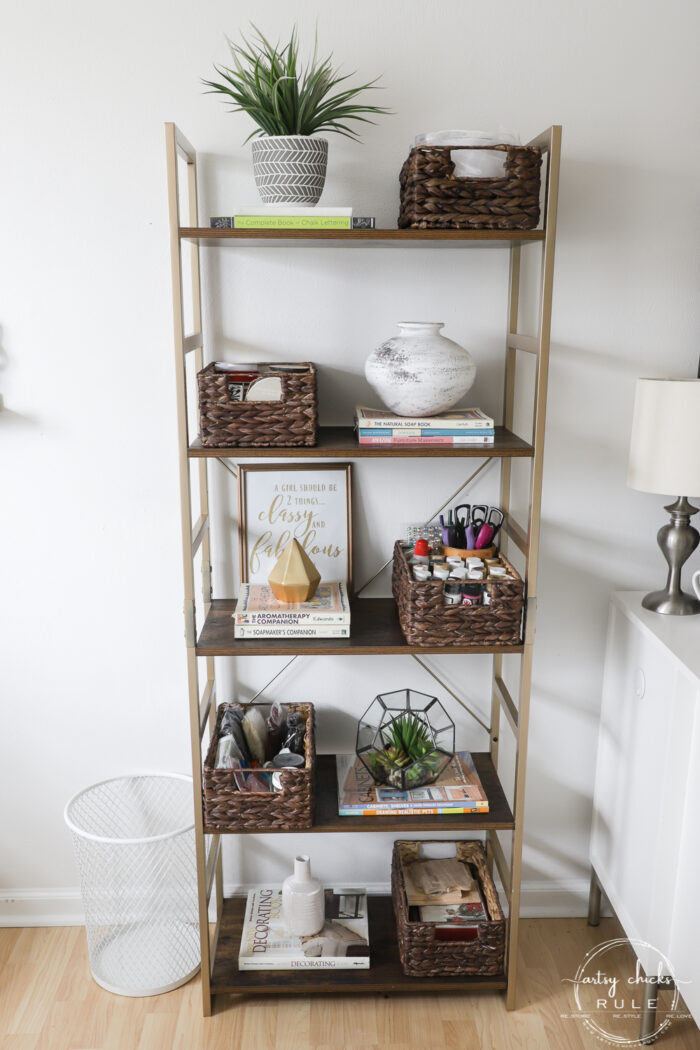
[(186, 236)]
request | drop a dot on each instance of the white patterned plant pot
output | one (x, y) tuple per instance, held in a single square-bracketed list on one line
[(290, 169)]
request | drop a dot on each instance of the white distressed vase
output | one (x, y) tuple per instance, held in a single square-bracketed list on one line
[(420, 372), (303, 902)]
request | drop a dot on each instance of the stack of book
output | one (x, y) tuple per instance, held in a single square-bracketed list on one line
[(341, 944), (457, 790), (289, 217), (446, 893), (461, 426), (260, 615)]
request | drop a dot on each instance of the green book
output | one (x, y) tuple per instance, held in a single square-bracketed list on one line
[(293, 222)]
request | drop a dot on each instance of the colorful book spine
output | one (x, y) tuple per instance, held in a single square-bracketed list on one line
[(293, 222), (423, 811), (434, 804), (425, 441), (395, 423), (466, 419), (406, 432), (303, 962), (292, 620), (313, 631)]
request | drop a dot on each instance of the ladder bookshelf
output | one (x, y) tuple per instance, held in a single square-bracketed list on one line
[(375, 626)]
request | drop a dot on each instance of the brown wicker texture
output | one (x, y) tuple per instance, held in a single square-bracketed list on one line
[(224, 423), (433, 197), (423, 956), (425, 620), (228, 809)]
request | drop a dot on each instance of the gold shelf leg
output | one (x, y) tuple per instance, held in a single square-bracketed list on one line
[(177, 146), (550, 142)]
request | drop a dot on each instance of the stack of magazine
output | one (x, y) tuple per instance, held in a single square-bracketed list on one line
[(445, 892), (260, 615), (341, 944), (457, 790)]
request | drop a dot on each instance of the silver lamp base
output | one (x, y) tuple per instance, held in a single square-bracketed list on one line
[(677, 541)]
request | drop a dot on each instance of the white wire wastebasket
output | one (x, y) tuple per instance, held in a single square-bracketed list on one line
[(133, 838)]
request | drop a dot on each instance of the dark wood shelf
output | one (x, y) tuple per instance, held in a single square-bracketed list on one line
[(375, 629), (384, 973), (341, 443), (362, 238), (326, 818)]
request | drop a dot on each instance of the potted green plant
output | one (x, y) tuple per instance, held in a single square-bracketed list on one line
[(405, 739), (290, 106)]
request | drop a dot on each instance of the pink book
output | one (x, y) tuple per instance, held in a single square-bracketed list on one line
[(425, 441)]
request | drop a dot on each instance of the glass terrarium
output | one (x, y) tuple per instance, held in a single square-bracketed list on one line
[(405, 739)]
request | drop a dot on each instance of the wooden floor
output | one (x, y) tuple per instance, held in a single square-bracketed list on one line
[(49, 1002)]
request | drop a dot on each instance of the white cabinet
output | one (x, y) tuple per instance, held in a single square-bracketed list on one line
[(645, 843)]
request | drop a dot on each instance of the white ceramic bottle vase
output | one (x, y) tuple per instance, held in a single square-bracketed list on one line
[(420, 372), (302, 900)]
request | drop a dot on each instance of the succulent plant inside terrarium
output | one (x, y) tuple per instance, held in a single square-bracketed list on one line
[(402, 745)]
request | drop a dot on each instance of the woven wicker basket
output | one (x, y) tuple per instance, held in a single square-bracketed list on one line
[(433, 197), (291, 809), (258, 424), (424, 956), (425, 620)]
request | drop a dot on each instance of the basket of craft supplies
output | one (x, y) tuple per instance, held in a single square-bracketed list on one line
[(465, 937), (427, 620), (258, 773)]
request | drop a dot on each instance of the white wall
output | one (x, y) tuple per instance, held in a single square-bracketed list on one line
[(92, 651)]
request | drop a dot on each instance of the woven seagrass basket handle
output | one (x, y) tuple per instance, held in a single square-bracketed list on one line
[(496, 147)]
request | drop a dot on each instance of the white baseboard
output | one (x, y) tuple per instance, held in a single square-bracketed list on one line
[(555, 899), (563, 899), (41, 907)]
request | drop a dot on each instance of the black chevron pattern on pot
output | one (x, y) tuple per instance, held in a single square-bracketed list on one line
[(286, 167), (289, 153), (291, 142)]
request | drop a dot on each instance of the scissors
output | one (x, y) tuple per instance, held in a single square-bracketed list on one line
[(479, 514), (489, 529)]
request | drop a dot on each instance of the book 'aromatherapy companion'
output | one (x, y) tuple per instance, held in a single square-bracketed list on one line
[(257, 607)]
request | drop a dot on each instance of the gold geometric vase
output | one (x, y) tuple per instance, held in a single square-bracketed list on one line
[(294, 577)]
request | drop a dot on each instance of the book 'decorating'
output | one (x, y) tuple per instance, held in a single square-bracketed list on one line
[(341, 944)]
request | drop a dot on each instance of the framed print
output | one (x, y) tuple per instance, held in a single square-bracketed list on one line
[(307, 502)]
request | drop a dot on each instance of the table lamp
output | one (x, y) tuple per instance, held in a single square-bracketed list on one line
[(665, 458)]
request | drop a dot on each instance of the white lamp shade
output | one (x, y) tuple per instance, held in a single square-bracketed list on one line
[(665, 443)]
